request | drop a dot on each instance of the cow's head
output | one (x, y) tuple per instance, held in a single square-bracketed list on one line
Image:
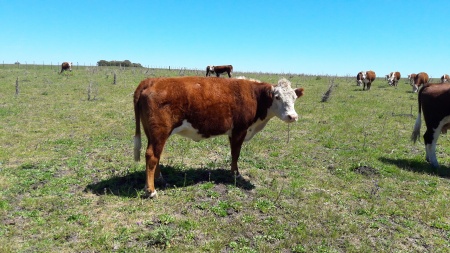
[(391, 79), (70, 66), (360, 78), (283, 100)]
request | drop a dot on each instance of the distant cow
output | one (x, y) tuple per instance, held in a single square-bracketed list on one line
[(411, 78), (434, 101), (393, 78), (444, 78), (219, 70), (366, 78), (66, 66), (420, 79), (200, 108)]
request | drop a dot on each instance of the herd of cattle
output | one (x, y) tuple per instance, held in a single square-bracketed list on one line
[(203, 107), (415, 80)]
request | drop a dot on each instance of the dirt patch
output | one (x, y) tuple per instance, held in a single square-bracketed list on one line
[(366, 171)]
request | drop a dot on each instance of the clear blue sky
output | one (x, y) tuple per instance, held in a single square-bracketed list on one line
[(300, 36)]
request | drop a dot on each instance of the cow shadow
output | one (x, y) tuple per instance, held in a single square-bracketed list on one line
[(418, 166), (132, 184)]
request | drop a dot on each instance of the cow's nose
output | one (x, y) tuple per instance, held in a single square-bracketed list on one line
[(292, 118)]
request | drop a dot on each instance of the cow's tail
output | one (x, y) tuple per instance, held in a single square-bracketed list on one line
[(416, 132), (137, 135)]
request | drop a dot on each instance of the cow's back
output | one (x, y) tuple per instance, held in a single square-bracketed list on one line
[(370, 75), (420, 79)]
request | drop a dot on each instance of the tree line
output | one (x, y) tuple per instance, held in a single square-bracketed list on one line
[(125, 63)]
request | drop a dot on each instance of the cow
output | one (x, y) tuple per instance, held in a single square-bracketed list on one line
[(202, 107), (420, 79), (66, 66), (411, 78), (445, 78), (434, 102), (366, 78), (219, 70), (393, 79)]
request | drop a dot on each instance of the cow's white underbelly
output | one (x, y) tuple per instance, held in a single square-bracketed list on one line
[(187, 130)]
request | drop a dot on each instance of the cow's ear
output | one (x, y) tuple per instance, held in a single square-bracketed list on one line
[(299, 92)]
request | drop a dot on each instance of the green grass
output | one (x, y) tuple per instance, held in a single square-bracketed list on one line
[(344, 178)]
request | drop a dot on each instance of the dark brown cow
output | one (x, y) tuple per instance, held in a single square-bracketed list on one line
[(434, 101), (66, 66), (366, 78), (394, 77), (420, 79), (219, 70), (411, 78), (445, 78), (201, 107)]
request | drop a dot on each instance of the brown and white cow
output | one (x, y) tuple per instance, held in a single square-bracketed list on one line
[(434, 102), (66, 66), (420, 79), (199, 108), (445, 78), (393, 78), (366, 78), (219, 70), (411, 78)]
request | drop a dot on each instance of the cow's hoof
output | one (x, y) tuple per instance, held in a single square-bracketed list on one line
[(150, 195)]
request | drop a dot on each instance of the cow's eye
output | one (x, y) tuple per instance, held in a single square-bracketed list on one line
[(277, 97)]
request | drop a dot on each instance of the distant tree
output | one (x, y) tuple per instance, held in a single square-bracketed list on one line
[(125, 63)]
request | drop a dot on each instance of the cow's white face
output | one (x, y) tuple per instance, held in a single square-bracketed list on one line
[(211, 68), (283, 101), (70, 66), (391, 79)]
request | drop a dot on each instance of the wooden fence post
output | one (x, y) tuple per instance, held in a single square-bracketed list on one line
[(17, 86)]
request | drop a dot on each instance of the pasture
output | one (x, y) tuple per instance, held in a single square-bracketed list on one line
[(344, 178)]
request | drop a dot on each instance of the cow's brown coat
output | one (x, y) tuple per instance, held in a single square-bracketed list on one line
[(213, 106)]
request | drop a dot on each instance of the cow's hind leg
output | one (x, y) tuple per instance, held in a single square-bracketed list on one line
[(430, 138), (236, 144), (152, 170)]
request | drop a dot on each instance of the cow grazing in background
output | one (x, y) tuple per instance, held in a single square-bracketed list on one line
[(366, 78), (420, 79), (445, 78), (360, 77), (66, 66), (219, 70), (394, 77), (434, 102), (411, 78), (199, 108)]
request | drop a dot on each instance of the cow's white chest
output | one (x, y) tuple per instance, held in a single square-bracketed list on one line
[(255, 128)]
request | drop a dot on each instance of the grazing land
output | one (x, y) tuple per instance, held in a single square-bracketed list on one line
[(344, 178)]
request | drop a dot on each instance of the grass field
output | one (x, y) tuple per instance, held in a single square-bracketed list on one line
[(344, 178)]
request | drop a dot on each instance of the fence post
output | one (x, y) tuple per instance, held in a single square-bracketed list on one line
[(17, 86), (114, 78)]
